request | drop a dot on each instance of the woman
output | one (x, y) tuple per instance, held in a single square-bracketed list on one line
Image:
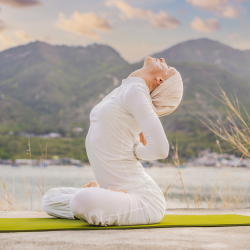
[(123, 127)]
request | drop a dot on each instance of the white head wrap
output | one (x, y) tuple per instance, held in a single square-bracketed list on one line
[(167, 96)]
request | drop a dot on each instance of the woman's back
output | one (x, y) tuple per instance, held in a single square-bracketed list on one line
[(113, 133)]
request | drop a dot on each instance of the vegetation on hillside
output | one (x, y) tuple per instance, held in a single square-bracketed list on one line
[(209, 51), (15, 147), (53, 89)]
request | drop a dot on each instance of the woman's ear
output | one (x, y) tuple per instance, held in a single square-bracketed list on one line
[(159, 81)]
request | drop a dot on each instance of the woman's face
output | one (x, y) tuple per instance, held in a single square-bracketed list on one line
[(158, 68)]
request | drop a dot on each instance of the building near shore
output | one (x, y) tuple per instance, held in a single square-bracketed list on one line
[(47, 162), (208, 158)]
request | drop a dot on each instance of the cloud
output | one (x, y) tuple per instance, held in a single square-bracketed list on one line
[(20, 3), (229, 12), (3, 26), (128, 10), (6, 40), (84, 24), (233, 36), (160, 20), (44, 38), (23, 36), (220, 7), (164, 21), (206, 26), (212, 5)]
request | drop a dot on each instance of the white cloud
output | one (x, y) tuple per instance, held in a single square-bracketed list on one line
[(164, 21), (23, 36), (128, 10), (159, 20), (2, 26), (229, 12), (20, 3), (220, 7), (205, 26), (6, 40), (84, 24), (212, 5)]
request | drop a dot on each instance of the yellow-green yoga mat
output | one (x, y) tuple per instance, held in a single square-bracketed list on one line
[(50, 224)]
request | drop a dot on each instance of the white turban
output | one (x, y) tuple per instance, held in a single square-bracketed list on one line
[(167, 96)]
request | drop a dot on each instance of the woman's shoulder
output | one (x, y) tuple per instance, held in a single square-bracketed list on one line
[(139, 87), (138, 93)]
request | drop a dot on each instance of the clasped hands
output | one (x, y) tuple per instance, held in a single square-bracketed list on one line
[(142, 139)]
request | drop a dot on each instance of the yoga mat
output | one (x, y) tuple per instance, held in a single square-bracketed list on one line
[(51, 224)]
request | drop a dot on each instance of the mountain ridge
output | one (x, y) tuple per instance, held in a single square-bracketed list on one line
[(58, 85), (209, 51)]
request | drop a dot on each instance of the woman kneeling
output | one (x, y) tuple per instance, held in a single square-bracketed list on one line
[(124, 126)]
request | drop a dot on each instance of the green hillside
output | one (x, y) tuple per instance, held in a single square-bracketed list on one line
[(60, 84), (15, 147), (209, 51), (53, 88), (16, 116), (50, 88)]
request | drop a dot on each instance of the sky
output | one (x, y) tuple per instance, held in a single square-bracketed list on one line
[(135, 28)]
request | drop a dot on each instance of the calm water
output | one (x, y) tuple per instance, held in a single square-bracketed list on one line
[(26, 185)]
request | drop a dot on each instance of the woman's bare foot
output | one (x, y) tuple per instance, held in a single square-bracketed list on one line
[(123, 191), (95, 184), (91, 184)]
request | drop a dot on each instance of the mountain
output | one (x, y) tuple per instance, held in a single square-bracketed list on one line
[(209, 51), (20, 117), (53, 88), (59, 83)]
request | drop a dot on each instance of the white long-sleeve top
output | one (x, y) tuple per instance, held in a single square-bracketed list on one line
[(113, 142)]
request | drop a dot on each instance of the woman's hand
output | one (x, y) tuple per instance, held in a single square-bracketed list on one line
[(142, 139)]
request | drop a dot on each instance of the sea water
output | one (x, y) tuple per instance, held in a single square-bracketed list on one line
[(200, 187)]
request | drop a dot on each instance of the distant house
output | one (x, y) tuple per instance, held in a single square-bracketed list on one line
[(204, 152), (51, 135), (206, 158), (78, 130), (24, 162), (47, 162)]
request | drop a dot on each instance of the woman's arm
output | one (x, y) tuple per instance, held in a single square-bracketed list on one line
[(139, 104)]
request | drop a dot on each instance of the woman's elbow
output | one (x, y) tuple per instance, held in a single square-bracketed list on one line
[(163, 154), (163, 151)]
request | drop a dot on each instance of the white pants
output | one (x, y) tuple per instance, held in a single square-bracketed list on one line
[(103, 207)]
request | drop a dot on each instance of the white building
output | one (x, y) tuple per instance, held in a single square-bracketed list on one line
[(206, 158), (51, 135)]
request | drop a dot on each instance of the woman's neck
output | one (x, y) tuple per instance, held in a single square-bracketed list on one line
[(143, 74)]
